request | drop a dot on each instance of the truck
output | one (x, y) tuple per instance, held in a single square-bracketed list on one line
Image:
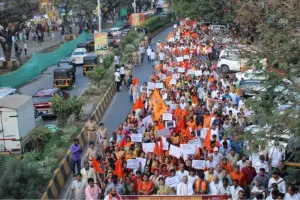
[(16, 121)]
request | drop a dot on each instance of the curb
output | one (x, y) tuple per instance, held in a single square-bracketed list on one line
[(62, 173)]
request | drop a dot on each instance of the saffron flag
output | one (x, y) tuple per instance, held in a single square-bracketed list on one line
[(180, 124), (119, 169), (96, 166), (159, 107), (177, 112), (160, 125), (184, 112), (138, 104), (207, 139), (186, 51), (122, 143)]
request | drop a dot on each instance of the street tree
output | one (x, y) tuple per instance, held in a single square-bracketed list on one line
[(97, 75), (275, 24), (13, 17)]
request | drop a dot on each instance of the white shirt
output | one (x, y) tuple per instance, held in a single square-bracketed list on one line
[(122, 70), (241, 164), (86, 174), (180, 174), (276, 155), (235, 192), (116, 60), (259, 165), (281, 185), (208, 164), (79, 189), (152, 55), (289, 197), (214, 188), (117, 76), (225, 190), (149, 51), (191, 180), (25, 46), (162, 56), (233, 97), (217, 159), (184, 189)]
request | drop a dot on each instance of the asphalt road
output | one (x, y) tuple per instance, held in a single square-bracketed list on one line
[(120, 105)]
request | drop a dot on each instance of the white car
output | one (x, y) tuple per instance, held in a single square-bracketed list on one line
[(251, 74), (78, 55), (115, 31), (229, 60)]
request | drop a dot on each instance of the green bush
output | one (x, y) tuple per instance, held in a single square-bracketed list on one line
[(39, 137), (129, 48), (108, 60), (156, 22), (96, 75)]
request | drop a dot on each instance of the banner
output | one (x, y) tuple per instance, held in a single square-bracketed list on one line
[(101, 43)]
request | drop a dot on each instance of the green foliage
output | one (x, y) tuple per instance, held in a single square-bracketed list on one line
[(156, 22), (63, 108), (97, 75), (20, 179), (108, 60), (39, 137), (129, 48)]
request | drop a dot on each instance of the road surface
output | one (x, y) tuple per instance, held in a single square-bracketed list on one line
[(120, 105)]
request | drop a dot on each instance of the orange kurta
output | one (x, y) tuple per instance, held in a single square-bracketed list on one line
[(206, 121), (227, 167), (240, 177), (145, 186)]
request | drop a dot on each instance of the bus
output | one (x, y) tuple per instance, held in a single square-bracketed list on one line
[(136, 19)]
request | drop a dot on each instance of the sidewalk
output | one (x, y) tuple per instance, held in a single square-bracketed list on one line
[(33, 47)]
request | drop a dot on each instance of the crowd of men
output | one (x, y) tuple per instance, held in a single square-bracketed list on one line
[(183, 135)]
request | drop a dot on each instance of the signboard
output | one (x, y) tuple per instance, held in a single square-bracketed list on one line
[(101, 43)]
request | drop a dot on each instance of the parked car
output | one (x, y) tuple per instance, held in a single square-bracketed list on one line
[(115, 31), (42, 98), (78, 55), (250, 88), (6, 91), (218, 28), (250, 75)]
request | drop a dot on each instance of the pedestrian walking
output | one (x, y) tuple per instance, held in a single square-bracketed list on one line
[(39, 38), (91, 127), (25, 48), (118, 79), (78, 188), (122, 75), (149, 54), (62, 34), (76, 156), (116, 61), (52, 36), (142, 52)]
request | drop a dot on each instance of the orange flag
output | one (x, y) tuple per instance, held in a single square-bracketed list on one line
[(177, 112), (186, 64), (119, 169), (96, 166), (122, 143), (135, 81), (207, 139), (184, 112), (138, 104), (194, 100), (159, 106), (176, 51), (158, 148), (159, 67), (186, 51), (160, 125), (188, 134), (180, 124)]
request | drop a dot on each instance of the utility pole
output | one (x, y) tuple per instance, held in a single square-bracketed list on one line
[(134, 6), (99, 16)]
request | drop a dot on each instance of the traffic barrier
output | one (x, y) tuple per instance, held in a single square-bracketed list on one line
[(39, 62), (173, 197), (62, 173)]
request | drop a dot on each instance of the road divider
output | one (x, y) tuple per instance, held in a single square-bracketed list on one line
[(61, 174)]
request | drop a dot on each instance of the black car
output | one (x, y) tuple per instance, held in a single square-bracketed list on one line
[(66, 61)]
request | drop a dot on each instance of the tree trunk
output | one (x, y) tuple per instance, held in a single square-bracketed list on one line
[(6, 47)]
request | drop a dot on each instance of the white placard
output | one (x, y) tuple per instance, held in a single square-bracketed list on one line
[(172, 181), (179, 59), (181, 69), (148, 147), (132, 164), (175, 76), (167, 116), (165, 96), (170, 69), (164, 131), (136, 137), (175, 151), (143, 89), (173, 106), (170, 124), (166, 146), (159, 85), (163, 77), (147, 120), (190, 72), (142, 161), (196, 142), (173, 81), (188, 148), (198, 164), (151, 86), (198, 72), (186, 57)]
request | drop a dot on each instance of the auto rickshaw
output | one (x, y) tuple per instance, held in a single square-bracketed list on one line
[(64, 77), (89, 62), (68, 61), (91, 43)]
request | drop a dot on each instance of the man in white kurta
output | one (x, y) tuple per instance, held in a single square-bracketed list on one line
[(215, 186), (184, 188)]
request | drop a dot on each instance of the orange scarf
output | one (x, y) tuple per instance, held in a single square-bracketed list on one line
[(117, 197)]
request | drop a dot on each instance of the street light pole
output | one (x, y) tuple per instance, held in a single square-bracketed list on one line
[(99, 16), (134, 8)]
